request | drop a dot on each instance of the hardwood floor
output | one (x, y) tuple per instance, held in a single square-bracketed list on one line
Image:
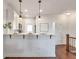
[(30, 58), (61, 53)]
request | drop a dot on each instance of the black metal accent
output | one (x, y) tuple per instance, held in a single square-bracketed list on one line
[(37, 36), (10, 36), (20, 0), (39, 16), (20, 16), (50, 36), (39, 1), (23, 36)]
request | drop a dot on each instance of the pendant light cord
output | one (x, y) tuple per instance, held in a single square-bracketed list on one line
[(20, 8)]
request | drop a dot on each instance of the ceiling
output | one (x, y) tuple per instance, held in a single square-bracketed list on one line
[(48, 6)]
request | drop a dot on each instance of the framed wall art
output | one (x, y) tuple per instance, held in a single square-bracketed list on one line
[(44, 27)]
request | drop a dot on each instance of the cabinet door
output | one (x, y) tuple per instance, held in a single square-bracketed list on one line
[(12, 46)]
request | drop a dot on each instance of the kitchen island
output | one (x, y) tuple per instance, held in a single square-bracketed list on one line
[(29, 45)]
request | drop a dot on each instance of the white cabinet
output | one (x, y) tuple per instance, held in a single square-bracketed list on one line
[(16, 46)]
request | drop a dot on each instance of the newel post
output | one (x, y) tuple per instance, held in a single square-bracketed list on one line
[(67, 42)]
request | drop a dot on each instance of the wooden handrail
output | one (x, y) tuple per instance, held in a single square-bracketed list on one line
[(72, 37)]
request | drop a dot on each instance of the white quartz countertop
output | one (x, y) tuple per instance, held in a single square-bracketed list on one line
[(28, 34)]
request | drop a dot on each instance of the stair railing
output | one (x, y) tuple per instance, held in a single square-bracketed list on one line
[(70, 44)]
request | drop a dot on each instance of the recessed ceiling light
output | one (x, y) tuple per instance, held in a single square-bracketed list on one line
[(68, 13), (26, 10), (41, 10)]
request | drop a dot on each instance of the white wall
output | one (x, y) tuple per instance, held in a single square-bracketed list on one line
[(4, 9), (8, 14), (65, 24), (46, 19)]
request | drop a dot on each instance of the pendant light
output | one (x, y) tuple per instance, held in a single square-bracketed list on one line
[(39, 9), (20, 16), (20, 19)]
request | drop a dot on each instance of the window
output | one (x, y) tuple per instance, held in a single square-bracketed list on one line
[(29, 28)]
